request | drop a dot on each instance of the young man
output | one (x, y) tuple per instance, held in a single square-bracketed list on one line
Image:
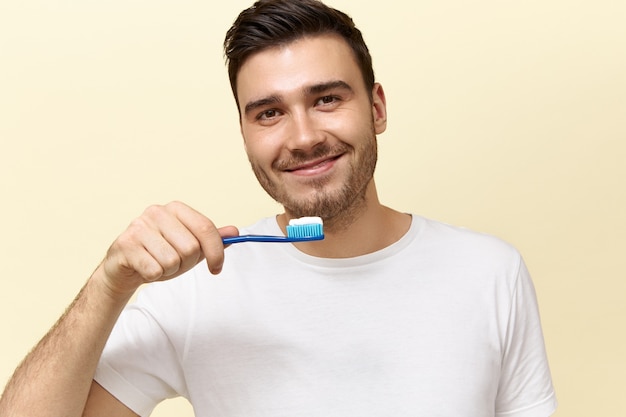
[(391, 314)]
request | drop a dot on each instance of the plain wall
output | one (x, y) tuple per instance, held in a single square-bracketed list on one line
[(505, 117)]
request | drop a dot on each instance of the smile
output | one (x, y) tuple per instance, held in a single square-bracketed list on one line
[(314, 167)]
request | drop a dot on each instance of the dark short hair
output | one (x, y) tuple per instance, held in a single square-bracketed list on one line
[(270, 23)]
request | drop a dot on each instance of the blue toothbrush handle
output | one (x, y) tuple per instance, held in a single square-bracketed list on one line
[(267, 238)]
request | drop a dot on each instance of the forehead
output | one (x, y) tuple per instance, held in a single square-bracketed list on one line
[(295, 65)]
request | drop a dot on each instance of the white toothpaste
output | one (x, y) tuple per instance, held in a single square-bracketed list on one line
[(305, 220)]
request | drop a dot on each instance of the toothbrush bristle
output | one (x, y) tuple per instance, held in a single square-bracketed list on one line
[(305, 230)]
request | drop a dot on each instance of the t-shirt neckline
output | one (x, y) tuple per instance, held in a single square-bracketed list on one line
[(384, 253)]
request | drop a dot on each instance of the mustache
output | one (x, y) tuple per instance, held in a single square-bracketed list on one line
[(298, 157)]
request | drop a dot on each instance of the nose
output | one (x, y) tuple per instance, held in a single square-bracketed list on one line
[(305, 132)]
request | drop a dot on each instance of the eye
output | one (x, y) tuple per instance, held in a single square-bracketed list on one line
[(267, 114), (326, 100)]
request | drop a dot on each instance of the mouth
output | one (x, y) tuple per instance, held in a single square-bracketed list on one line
[(314, 167)]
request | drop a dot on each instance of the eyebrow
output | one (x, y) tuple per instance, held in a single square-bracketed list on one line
[(255, 104), (310, 90), (330, 85)]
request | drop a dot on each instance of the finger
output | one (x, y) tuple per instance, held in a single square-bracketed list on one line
[(228, 231), (164, 254), (128, 257), (173, 245), (204, 231)]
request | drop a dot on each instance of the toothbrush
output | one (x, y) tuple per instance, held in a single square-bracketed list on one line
[(303, 229)]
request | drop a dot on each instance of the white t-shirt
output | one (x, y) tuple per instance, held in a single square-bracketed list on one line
[(443, 322)]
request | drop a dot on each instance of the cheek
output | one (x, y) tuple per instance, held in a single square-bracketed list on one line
[(259, 152), (251, 141), (263, 145), (351, 124)]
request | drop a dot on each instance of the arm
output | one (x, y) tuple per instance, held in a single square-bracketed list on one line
[(56, 377), (102, 404), (525, 382)]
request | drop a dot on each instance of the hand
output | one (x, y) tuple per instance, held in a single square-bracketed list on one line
[(161, 244)]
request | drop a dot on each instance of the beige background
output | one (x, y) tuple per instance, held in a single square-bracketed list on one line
[(506, 117)]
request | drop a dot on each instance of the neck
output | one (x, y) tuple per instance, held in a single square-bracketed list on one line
[(366, 229)]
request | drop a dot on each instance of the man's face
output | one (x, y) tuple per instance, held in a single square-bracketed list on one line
[(309, 125)]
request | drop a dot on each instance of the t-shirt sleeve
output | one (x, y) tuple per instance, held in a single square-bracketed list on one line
[(525, 388), (141, 365)]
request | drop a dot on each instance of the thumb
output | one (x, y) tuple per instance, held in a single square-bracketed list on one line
[(226, 231)]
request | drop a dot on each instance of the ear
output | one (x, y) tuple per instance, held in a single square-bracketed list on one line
[(379, 108)]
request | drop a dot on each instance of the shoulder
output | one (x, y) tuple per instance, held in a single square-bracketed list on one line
[(440, 233), (461, 247)]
